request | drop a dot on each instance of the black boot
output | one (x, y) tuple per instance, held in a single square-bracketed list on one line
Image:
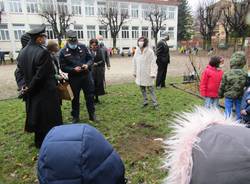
[(92, 117)]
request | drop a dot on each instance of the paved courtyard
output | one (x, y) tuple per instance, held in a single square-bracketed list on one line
[(120, 72)]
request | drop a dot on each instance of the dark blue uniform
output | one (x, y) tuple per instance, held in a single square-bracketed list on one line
[(69, 59)]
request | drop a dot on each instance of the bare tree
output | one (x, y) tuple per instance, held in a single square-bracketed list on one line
[(58, 16), (113, 19), (208, 16), (235, 15), (1, 10), (156, 16)]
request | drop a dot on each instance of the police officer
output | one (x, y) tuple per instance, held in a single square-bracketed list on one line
[(76, 60)]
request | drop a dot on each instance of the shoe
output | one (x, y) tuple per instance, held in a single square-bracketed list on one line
[(144, 105), (96, 101), (156, 107), (92, 117), (75, 120), (158, 87)]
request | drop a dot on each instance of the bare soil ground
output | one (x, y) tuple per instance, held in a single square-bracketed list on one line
[(120, 72)]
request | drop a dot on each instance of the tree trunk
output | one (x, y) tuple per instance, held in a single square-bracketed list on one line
[(209, 42), (114, 41), (227, 38), (243, 42), (59, 41), (156, 39), (235, 43)]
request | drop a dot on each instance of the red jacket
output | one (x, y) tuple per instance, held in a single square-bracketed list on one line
[(210, 82)]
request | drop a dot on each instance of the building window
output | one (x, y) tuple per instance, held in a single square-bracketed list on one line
[(125, 32), (1, 6), (47, 5), (4, 32), (89, 8), (135, 32), (134, 11), (15, 6), (19, 30), (79, 31), (144, 32), (32, 6), (76, 7), (62, 6), (103, 31), (164, 12), (162, 30), (145, 10), (50, 33), (91, 32), (124, 8), (171, 32), (171, 12), (101, 6)]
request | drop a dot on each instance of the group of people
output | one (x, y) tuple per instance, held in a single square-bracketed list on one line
[(232, 85)]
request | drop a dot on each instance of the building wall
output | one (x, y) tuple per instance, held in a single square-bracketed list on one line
[(19, 22)]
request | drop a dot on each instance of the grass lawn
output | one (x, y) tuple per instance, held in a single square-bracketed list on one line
[(124, 123)]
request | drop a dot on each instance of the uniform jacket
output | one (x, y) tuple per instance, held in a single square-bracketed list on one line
[(210, 82), (71, 58), (162, 52), (145, 67), (78, 154), (42, 100), (234, 80), (245, 105)]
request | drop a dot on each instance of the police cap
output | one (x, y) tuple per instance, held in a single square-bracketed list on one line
[(71, 36), (38, 31)]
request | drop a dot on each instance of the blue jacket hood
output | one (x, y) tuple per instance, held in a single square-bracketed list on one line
[(78, 154)]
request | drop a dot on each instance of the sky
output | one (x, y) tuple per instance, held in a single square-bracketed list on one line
[(193, 4)]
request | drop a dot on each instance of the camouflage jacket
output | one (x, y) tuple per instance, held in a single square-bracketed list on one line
[(233, 84)]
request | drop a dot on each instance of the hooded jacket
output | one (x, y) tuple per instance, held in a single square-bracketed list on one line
[(78, 154), (234, 81), (210, 82)]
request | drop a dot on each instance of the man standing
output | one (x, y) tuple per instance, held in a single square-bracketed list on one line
[(76, 60), (41, 97), (162, 53), (102, 46)]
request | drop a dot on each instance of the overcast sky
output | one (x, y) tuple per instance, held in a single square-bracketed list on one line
[(194, 4)]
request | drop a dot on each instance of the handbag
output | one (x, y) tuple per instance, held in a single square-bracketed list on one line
[(65, 91)]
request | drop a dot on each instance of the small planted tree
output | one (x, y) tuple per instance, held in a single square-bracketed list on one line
[(113, 19), (58, 16)]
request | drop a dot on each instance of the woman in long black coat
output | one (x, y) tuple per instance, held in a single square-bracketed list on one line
[(98, 70), (41, 97)]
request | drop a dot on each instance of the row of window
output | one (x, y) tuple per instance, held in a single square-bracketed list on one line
[(15, 6), (126, 32)]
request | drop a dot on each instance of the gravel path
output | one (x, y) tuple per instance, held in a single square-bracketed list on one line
[(120, 72)]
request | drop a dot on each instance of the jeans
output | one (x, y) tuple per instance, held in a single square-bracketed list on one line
[(152, 93), (229, 102), (211, 102)]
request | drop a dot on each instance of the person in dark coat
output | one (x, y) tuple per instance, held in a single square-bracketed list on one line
[(78, 154), (163, 59), (99, 58), (42, 100), (245, 107), (19, 75), (76, 60)]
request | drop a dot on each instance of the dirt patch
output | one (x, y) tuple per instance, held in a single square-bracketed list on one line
[(139, 144)]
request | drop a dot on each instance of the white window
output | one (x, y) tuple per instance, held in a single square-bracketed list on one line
[(19, 30), (47, 5), (4, 32), (135, 11), (76, 7), (162, 30), (125, 32), (89, 8), (145, 10), (171, 32), (103, 31), (32, 6), (124, 8), (101, 6), (1, 5), (164, 12), (91, 32), (135, 32), (171, 12), (15, 6), (62, 6), (144, 32), (79, 31), (50, 32)]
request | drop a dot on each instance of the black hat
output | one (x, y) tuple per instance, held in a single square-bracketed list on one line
[(38, 31), (72, 36)]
